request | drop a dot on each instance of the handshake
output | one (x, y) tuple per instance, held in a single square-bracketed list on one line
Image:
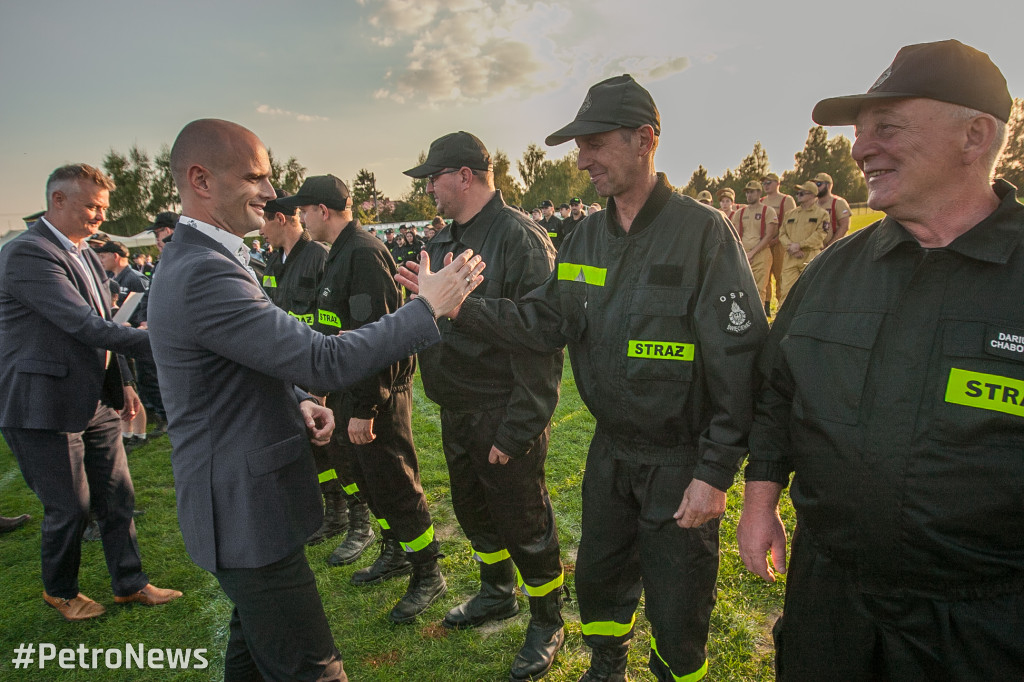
[(444, 290)]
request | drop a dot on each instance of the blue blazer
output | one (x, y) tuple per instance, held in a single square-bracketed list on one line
[(228, 361), (53, 343)]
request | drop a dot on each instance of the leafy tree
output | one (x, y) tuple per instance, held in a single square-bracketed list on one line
[(511, 191), (130, 202), (699, 182), (832, 156), (559, 181), (530, 166), (1011, 162), (163, 193), (754, 166), (289, 176)]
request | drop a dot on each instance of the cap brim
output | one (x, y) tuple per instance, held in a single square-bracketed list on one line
[(578, 128), (843, 111), (295, 201), (422, 171)]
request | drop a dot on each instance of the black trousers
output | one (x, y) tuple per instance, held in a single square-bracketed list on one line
[(630, 544), (149, 388), (68, 472), (278, 628), (503, 509), (388, 476), (831, 630)]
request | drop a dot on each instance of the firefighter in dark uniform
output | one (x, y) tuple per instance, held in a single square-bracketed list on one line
[(496, 407), (899, 405), (290, 278), (656, 303), (357, 288), (570, 222), (549, 221)]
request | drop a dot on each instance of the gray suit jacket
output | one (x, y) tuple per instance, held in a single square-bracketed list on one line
[(228, 360), (53, 343)]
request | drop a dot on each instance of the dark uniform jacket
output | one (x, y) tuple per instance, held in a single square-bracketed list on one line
[(900, 406), (660, 329), (551, 226), (471, 374), (358, 287), (566, 227), (293, 284)]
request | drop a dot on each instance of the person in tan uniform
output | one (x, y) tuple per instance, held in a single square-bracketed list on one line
[(704, 197), (758, 227), (837, 207), (782, 203), (727, 201), (804, 233)]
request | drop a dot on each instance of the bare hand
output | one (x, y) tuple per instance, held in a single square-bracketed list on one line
[(496, 456), (446, 289), (794, 249), (760, 531), (701, 503), (132, 404), (407, 276), (319, 422), (360, 431)]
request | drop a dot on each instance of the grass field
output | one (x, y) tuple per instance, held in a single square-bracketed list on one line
[(740, 646)]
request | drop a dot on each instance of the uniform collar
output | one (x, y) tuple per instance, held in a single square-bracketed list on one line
[(992, 240), (656, 201), (346, 233), (474, 231)]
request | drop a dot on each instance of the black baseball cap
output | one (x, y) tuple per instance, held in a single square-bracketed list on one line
[(563, 205), (618, 102), (167, 219), (575, 201), (320, 189), (112, 247), (274, 206), (948, 71), (546, 204), (453, 150)]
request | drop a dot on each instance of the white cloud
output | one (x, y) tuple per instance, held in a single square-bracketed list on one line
[(268, 110)]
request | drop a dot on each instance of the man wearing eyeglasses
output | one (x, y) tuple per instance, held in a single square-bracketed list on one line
[(496, 406), (804, 232), (837, 207)]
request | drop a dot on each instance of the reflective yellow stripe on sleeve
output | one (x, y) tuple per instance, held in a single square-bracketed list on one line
[(351, 489), (328, 318), (328, 475), (609, 628), (384, 525), (540, 590), (419, 543), (692, 677), (572, 272), (491, 557), (660, 350), (985, 391), (269, 282)]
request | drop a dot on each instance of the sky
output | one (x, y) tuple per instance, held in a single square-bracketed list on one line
[(349, 84)]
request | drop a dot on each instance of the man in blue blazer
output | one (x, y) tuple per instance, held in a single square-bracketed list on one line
[(229, 360), (62, 381)]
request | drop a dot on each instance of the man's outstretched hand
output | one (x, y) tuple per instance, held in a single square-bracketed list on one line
[(446, 289)]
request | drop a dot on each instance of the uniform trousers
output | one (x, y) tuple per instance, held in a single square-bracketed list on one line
[(504, 510), (149, 389), (760, 267), (278, 628), (778, 255), (69, 472), (792, 268), (387, 474), (631, 544), (831, 630)]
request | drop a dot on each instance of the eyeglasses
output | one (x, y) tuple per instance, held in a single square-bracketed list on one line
[(819, 183), (803, 192), (432, 179)]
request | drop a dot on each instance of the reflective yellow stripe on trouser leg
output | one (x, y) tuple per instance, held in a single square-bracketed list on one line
[(692, 677)]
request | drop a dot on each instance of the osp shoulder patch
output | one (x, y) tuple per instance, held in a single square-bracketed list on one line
[(734, 313)]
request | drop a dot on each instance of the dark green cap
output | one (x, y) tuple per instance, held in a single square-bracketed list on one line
[(454, 150), (618, 102)]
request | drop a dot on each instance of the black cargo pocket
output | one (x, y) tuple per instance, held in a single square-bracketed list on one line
[(660, 346), (979, 397), (828, 355), (273, 457), (47, 367)]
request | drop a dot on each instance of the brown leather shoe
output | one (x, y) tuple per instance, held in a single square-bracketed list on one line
[(149, 596), (78, 608), (8, 524)]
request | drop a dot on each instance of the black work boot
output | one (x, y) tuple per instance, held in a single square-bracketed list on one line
[(335, 517), (426, 586), (390, 564), (544, 637), (607, 664), (359, 536), (496, 599)]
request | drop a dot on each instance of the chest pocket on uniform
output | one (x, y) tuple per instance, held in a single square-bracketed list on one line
[(660, 345), (979, 395), (828, 355)]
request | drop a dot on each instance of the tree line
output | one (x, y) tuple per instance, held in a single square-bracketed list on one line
[(145, 186)]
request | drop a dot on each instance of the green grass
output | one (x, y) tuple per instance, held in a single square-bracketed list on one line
[(740, 648)]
